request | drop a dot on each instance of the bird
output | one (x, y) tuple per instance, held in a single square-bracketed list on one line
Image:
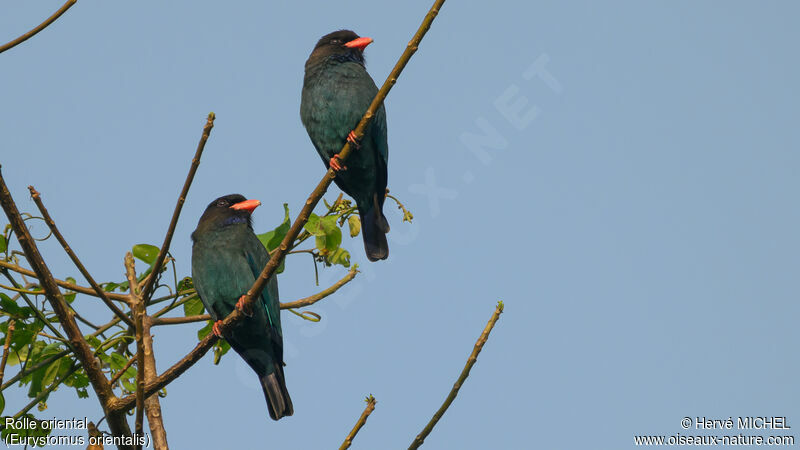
[(337, 90), (227, 257)]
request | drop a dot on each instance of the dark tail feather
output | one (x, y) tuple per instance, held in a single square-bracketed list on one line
[(279, 403), (374, 228)]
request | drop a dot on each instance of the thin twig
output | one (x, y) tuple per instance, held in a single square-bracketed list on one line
[(461, 378), (39, 28), (65, 284), (127, 365), (361, 421), (180, 320), (37, 198), (27, 371), (289, 305), (319, 296), (22, 291), (78, 343), (156, 268), (6, 347), (32, 305), (138, 308), (124, 404)]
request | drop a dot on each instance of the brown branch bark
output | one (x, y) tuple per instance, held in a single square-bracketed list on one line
[(348, 441), (473, 357), (289, 305), (162, 254), (152, 405), (6, 348), (39, 28), (203, 346), (83, 352), (37, 198), (322, 294), (138, 315), (62, 283)]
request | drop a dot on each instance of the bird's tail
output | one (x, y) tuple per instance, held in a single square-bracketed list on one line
[(374, 227), (279, 403)]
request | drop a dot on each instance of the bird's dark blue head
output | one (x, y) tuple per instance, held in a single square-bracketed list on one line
[(225, 211), (342, 45)]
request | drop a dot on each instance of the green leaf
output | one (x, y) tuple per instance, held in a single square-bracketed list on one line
[(185, 284), (78, 380), (146, 253), (355, 225), (130, 386), (203, 332), (193, 307), (70, 297), (327, 232), (93, 341), (220, 348), (3, 244), (312, 224), (2, 402), (117, 361), (51, 372), (340, 256), (109, 287), (10, 306), (272, 239)]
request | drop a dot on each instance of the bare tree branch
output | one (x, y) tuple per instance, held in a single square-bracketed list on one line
[(62, 283), (6, 348), (138, 313), (37, 198), (319, 296), (162, 254), (348, 441), (152, 405), (461, 378), (122, 371), (39, 28), (78, 343), (290, 305)]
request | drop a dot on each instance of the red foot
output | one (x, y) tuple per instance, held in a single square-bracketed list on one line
[(241, 307), (335, 164), (351, 138), (215, 329)]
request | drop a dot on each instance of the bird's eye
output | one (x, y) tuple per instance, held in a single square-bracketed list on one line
[(222, 203), (335, 41)]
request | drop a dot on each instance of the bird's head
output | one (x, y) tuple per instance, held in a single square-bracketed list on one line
[(343, 45), (225, 211)]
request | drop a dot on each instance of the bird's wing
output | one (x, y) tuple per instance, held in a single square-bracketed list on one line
[(257, 258)]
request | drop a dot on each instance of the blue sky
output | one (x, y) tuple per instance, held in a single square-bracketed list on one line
[(622, 175)]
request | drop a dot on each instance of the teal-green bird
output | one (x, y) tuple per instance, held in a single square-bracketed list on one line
[(337, 90), (227, 257)]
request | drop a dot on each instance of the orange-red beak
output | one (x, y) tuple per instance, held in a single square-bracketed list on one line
[(247, 205), (360, 43)]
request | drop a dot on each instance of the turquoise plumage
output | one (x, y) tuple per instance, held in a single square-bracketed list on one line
[(227, 257)]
